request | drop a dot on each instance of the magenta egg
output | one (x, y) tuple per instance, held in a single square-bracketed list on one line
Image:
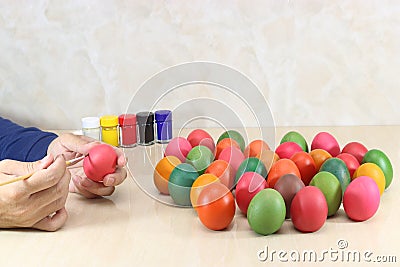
[(350, 161), (178, 147), (327, 142), (287, 149), (356, 149), (199, 137), (250, 183), (233, 155), (361, 199)]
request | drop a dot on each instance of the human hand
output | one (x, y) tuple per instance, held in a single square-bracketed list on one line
[(72, 146), (31, 203)]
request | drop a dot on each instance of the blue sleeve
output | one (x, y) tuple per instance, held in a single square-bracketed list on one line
[(23, 144)]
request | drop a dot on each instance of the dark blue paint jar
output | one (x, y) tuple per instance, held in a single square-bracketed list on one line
[(163, 120)]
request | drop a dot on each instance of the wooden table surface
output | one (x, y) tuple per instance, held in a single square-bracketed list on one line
[(130, 228)]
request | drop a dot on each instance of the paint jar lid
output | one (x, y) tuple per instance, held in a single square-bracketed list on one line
[(109, 121), (163, 115), (90, 122), (127, 119), (145, 117)]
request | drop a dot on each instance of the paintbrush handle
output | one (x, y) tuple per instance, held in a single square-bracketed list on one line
[(16, 179), (26, 176)]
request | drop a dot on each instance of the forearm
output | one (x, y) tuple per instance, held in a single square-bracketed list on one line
[(23, 144)]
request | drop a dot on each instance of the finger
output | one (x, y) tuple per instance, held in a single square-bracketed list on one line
[(77, 188), (121, 161), (116, 178), (14, 167), (49, 195), (47, 178), (54, 222), (95, 188), (78, 143)]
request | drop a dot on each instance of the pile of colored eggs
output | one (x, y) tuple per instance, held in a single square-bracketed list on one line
[(270, 186)]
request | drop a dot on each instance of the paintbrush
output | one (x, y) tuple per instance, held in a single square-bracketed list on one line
[(26, 176)]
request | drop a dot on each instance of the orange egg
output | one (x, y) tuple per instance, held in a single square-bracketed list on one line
[(162, 171), (255, 147), (216, 207), (319, 156), (203, 181), (224, 171), (224, 143), (280, 168), (268, 157)]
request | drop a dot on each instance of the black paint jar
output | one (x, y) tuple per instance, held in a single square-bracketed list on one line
[(145, 125)]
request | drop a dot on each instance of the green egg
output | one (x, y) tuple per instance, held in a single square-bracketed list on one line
[(297, 138), (235, 136), (180, 182), (330, 187), (266, 212), (251, 165), (200, 157), (338, 168), (379, 158)]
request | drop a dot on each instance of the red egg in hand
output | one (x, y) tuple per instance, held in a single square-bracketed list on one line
[(100, 161)]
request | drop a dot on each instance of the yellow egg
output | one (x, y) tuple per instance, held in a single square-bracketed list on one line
[(162, 172), (199, 184), (372, 170)]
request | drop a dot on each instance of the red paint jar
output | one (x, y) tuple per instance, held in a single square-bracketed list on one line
[(127, 127)]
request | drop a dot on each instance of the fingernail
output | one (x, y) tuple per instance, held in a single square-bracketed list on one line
[(109, 181)]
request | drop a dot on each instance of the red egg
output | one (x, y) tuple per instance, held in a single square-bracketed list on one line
[(361, 199), (356, 149), (178, 147), (234, 156), (200, 137), (250, 183), (326, 141), (309, 209), (223, 171), (101, 160), (305, 164), (350, 161), (287, 149)]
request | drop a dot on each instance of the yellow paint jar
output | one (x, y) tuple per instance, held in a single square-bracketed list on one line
[(109, 129)]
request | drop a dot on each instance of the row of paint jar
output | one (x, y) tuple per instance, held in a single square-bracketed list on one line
[(128, 130)]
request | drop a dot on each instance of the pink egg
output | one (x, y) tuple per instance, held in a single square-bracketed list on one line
[(350, 161), (327, 142), (361, 199), (287, 149), (178, 147), (356, 149), (200, 137), (250, 183), (234, 156)]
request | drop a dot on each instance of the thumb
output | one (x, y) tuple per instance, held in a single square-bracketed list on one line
[(14, 167)]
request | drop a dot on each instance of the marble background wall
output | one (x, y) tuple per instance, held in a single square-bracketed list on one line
[(316, 62)]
